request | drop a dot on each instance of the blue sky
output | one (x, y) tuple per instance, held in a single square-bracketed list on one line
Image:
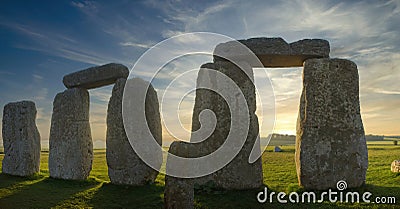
[(42, 41)]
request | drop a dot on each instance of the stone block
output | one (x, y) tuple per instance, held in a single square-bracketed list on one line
[(330, 141), (96, 76), (21, 139), (71, 146)]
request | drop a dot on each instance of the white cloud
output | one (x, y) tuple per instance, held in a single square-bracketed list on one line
[(6, 73), (366, 32), (381, 91), (101, 95), (146, 46), (26, 30), (170, 33), (41, 94), (37, 77), (62, 46), (85, 5), (78, 4), (362, 31)]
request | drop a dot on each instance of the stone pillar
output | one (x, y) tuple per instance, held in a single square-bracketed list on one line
[(330, 142), (71, 146), (124, 165), (239, 173), (21, 139), (179, 192), (395, 166)]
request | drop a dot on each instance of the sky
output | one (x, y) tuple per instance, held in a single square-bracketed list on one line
[(43, 41)]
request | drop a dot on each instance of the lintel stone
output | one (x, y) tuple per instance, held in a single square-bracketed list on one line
[(273, 52), (96, 76)]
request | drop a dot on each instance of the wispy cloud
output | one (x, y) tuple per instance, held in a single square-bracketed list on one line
[(101, 95), (53, 43), (37, 77), (6, 73), (25, 29), (146, 46), (381, 91), (170, 33), (85, 5), (363, 31)]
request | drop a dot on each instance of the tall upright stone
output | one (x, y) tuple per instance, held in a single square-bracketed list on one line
[(330, 142), (238, 173), (179, 192), (71, 146), (21, 139), (124, 165)]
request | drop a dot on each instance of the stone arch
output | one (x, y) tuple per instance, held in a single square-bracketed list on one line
[(330, 141), (71, 146)]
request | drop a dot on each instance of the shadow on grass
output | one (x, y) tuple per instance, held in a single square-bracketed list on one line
[(45, 193), (382, 191), (12, 181), (120, 196)]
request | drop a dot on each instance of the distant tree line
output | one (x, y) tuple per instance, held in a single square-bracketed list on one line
[(283, 137), (369, 137)]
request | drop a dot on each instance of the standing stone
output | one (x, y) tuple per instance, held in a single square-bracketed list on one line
[(124, 165), (330, 141), (238, 173), (71, 146), (179, 192), (395, 167), (21, 139)]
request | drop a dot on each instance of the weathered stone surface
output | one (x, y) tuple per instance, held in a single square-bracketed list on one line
[(124, 166), (21, 139), (310, 47), (179, 192), (330, 141), (267, 45), (395, 167), (96, 76), (274, 52), (71, 146), (239, 173)]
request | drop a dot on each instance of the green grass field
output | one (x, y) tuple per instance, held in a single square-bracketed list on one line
[(40, 191)]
